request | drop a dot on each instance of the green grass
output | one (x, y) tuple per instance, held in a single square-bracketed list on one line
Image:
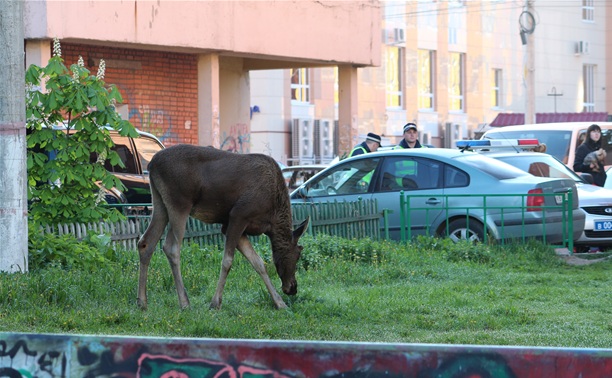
[(429, 291)]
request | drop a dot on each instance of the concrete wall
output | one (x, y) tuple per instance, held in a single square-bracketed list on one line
[(43, 355), (286, 30)]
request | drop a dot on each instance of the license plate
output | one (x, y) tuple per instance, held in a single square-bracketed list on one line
[(603, 226), (558, 199)]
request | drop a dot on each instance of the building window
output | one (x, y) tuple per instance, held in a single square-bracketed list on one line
[(300, 85), (336, 87), (426, 79), (496, 88), (587, 10), (456, 82), (394, 76), (588, 76)]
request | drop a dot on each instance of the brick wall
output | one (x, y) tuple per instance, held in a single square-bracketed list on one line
[(160, 89)]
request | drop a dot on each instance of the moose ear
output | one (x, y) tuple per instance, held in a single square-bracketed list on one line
[(301, 229)]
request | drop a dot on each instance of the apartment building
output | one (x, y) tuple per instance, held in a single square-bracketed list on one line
[(454, 68)]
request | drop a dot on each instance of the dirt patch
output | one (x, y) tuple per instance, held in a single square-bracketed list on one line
[(573, 259)]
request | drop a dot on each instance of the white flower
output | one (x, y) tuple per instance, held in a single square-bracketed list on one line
[(101, 69), (57, 50), (80, 62)]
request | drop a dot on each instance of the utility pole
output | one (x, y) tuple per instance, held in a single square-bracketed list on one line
[(527, 26), (13, 173)]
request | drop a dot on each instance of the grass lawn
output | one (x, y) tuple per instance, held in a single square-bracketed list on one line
[(428, 291)]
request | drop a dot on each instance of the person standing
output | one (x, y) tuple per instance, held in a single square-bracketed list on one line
[(371, 144), (592, 143), (411, 136)]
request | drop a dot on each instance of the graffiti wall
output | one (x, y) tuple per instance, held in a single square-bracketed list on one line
[(40, 355)]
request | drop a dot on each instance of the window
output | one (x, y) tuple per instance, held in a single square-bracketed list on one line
[(300, 85), (587, 10), (426, 79), (588, 77), (336, 87), (456, 82), (496, 88), (394, 76)]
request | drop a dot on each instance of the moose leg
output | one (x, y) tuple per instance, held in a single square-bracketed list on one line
[(245, 246), (232, 235), (172, 249), (146, 246)]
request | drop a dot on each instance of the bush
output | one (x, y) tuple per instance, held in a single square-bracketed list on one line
[(67, 252)]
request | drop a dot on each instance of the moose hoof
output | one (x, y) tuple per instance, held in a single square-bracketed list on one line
[(142, 304)]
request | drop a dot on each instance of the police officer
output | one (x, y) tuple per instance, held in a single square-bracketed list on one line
[(371, 144), (410, 137)]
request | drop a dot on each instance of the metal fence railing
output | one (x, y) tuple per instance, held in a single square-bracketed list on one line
[(496, 213), (344, 219)]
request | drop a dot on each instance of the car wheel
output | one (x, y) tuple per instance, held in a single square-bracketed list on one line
[(459, 230)]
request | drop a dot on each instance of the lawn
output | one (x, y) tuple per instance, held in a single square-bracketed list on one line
[(427, 291)]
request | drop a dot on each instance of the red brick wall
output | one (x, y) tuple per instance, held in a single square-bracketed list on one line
[(159, 88)]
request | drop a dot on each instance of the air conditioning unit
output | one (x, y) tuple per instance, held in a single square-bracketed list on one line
[(582, 48), (424, 137), (399, 35), (452, 133), (302, 137), (394, 36), (324, 140)]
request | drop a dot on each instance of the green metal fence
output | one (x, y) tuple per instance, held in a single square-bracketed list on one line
[(486, 208)]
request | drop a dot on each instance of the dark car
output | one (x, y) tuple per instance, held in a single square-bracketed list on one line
[(135, 153)]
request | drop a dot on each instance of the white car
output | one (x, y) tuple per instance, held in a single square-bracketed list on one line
[(561, 139)]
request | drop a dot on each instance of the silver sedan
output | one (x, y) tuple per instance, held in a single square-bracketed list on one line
[(463, 195)]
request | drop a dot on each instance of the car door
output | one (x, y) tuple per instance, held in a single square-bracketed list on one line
[(421, 180)]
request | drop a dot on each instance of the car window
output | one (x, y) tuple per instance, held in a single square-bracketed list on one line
[(146, 148), (409, 173), (455, 178), (123, 148), (542, 166), (557, 141), (351, 177), (493, 167)]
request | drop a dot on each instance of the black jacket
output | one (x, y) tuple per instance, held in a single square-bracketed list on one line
[(599, 177)]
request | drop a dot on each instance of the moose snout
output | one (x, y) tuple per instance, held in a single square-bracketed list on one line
[(291, 290)]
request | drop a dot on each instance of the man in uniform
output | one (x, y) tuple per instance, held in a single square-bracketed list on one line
[(410, 137), (371, 144)]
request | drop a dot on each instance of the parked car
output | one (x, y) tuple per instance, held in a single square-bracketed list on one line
[(136, 153), (296, 175), (439, 174), (561, 139), (595, 201)]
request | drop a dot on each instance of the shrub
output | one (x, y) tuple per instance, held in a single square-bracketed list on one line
[(65, 128)]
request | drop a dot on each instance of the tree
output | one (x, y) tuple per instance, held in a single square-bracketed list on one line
[(67, 127)]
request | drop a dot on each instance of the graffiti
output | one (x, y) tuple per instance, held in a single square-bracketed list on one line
[(29, 355), (238, 139)]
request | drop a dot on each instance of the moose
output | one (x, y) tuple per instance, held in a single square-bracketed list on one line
[(245, 193)]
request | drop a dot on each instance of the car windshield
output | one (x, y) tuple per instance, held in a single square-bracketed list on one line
[(349, 178), (146, 148), (491, 166), (541, 165), (557, 141)]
